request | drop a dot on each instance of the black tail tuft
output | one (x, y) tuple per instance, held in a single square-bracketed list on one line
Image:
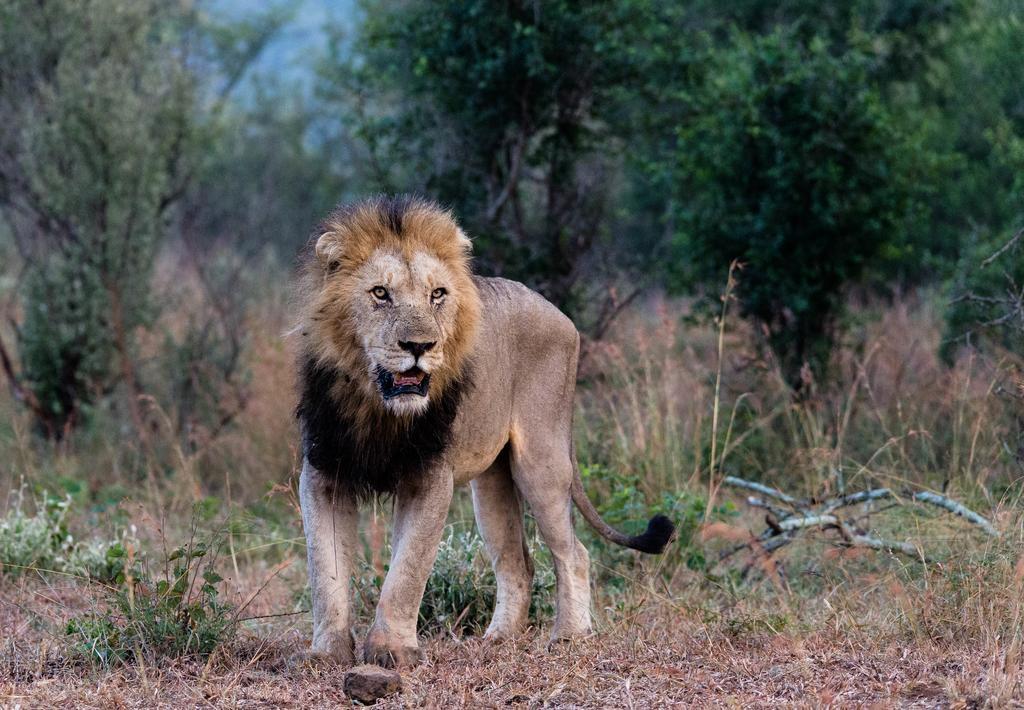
[(654, 539)]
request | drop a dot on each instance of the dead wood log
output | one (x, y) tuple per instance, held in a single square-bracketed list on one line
[(956, 509), (785, 525)]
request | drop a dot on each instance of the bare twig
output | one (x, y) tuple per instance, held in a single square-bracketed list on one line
[(1014, 240), (762, 489), (956, 509), (855, 498), (611, 309), (513, 177), (273, 616), (255, 593), (781, 513)]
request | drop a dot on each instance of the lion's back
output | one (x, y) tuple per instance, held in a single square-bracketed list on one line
[(528, 337), (523, 320)]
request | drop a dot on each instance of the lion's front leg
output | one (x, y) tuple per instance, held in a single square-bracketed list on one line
[(331, 521), (420, 513)]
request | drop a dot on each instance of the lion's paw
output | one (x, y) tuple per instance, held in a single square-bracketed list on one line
[(500, 634), (335, 648), (380, 652), (560, 637)]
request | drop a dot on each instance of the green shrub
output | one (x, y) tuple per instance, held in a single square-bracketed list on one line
[(41, 542), (149, 619), (789, 162), (460, 591), (65, 345)]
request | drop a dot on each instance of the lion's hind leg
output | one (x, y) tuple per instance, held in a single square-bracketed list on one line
[(499, 517), (544, 479)]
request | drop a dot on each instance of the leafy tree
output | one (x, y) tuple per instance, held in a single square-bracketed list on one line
[(95, 120), (497, 109), (261, 181), (111, 115), (788, 162), (987, 125)]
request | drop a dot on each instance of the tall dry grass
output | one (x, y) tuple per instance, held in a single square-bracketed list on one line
[(892, 414)]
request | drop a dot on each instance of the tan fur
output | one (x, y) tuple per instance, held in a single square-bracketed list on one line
[(511, 438)]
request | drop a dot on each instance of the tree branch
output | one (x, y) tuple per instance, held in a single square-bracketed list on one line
[(855, 498), (1003, 249), (18, 390), (784, 526), (513, 178), (762, 489), (956, 509)]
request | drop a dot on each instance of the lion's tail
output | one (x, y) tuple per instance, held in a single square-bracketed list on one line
[(652, 540)]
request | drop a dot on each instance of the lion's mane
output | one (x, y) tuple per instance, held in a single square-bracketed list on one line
[(347, 434)]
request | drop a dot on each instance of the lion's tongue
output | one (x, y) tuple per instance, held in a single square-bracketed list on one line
[(408, 379)]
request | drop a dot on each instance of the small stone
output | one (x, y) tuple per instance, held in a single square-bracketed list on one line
[(367, 684)]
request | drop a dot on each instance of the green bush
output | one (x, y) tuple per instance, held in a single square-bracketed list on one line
[(460, 591), (789, 163), (41, 542), (151, 619), (65, 344), (99, 103)]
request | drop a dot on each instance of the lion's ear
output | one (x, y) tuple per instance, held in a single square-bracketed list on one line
[(328, 251)]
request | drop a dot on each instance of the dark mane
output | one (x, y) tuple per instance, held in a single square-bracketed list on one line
[(391, 208), (374, 464)]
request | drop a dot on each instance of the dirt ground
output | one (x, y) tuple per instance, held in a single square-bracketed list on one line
[(662, 657)]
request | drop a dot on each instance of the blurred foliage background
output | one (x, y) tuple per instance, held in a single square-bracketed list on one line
[(595, 151)]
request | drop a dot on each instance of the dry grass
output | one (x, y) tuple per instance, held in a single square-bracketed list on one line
[(816, 626), (664, 656)]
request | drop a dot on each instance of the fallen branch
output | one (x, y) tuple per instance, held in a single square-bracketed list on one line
[(855, 539), (776, 542), (855, 498), (808, 521), (904, 548), (762, 489), (956, 509), (755, 502), (784, 525)]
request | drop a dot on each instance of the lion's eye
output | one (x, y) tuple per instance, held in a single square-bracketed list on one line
[(380, 293), (437, 294)]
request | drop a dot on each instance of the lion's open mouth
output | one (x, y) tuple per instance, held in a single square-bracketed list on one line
[(412, 381)]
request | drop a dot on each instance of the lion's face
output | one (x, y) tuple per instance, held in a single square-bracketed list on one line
[(404, 310), (397, 305)]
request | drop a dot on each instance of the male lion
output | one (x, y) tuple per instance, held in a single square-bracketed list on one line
[(417, 376)]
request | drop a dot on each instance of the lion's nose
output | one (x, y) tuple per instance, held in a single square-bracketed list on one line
[(415, 348)]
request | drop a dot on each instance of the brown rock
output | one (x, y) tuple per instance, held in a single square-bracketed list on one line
[(367, 683)]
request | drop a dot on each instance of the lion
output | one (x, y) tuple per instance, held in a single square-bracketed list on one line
[(417, 376)]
